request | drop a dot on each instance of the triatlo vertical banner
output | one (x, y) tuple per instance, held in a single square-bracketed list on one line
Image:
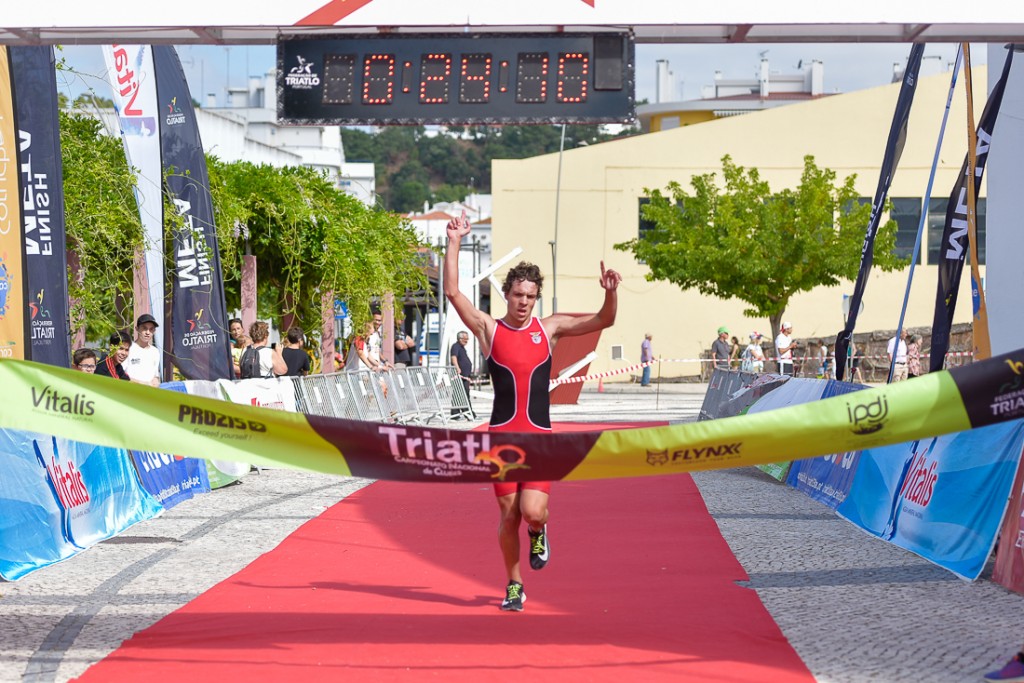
[(13, 334), (893, 151), (42, 203), (954, 235), (130, 71), (200, 343)]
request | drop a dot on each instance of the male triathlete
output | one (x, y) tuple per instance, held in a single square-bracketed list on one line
[(518, 352)]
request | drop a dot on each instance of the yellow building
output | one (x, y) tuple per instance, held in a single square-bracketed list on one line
[(602, 187)]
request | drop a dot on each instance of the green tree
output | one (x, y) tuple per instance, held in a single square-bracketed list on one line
[(102, 223), (746, 242)]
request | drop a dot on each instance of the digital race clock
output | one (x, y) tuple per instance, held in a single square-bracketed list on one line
[(456, 78)]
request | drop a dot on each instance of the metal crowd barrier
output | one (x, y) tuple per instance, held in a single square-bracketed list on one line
[(412, 395)]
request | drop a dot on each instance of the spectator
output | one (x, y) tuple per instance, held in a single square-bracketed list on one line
[(239, 340), (258, 360), (752, 358), (646, 356), (295, 357), (120, 345), (143, 363), (899, 369), (914, 356), (403, 347), (368, 345), (721, 351), (784, 346), (84, 360), (460, 359), (853, 361), (734, 353)]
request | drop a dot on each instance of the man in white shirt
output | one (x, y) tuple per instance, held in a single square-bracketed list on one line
[(784, 346), (899, 372), (143, 362)]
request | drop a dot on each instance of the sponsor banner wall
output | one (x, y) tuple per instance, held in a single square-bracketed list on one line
[(791, 393), (1009, 567), (827, 479), (132, 79), (199, 329), (13, 331), (942, 497), (123, 414), (58, 497), (272, 392), (42, 204), (171, 479)]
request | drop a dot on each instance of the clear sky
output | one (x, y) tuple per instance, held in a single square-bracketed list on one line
[(848, 66)]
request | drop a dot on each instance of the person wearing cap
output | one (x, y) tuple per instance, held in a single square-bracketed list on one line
[(784, 346), (143, 362), (721, 349), (753, 355)]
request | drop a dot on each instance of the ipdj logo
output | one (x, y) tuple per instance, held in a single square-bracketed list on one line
[(868, 418)]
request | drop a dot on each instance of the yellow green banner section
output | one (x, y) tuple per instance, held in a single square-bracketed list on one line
[(99, 410)]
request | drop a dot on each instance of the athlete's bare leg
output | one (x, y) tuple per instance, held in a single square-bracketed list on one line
[(508, 534), (533, 505)]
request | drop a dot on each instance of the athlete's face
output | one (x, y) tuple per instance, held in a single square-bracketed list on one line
[(521, 300)]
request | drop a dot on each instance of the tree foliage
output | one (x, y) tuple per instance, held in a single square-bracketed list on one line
[(747, 242), (102, 224)]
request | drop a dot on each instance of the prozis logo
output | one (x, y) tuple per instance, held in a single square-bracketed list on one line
[(50, 400), (302, 77), (868, 418), (695, 454), (921, 476), (1010, 401), (219, 421), (452, 457)]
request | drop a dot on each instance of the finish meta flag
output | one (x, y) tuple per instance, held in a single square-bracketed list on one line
[(893, 151), (42, 203), (199, 343)]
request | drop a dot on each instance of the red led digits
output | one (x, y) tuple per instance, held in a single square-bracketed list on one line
[(532, 77), (475, 79), (573, 74), (378, 79), (435, 76)]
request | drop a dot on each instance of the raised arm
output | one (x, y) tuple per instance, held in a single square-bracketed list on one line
[(570, 326), (478, 322)]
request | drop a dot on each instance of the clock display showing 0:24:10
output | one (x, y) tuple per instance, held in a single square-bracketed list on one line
[(384, 78)]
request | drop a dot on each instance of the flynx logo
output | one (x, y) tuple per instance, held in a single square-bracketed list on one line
[(50, 400), (696, 454)]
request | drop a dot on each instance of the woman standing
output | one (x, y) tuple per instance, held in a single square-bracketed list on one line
[(914, 356)]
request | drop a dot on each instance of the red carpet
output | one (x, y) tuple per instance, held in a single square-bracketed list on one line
[(403, 582)]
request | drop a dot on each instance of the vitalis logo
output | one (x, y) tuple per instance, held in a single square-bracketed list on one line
[(175, 116), (868, 418), (302, 77), (451, 457), (1010, 400), (921, 475), (682, 456), (66, 484), (50, 400)]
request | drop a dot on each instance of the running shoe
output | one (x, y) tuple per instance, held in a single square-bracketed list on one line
[(515, 596), (540, 550), (1013, 671)]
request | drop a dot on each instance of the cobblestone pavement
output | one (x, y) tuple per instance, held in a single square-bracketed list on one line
[(855, 608)]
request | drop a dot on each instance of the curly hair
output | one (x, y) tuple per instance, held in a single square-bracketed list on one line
[(526, 272)]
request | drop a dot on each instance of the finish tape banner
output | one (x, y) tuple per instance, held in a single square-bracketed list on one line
[(122, 414)]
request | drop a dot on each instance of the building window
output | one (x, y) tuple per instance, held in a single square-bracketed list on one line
[(937, 224), (906, 211), (645, 225)]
